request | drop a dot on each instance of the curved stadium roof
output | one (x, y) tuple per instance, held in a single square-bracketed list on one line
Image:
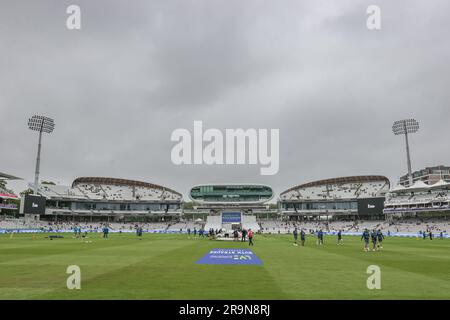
[(8, 176), (119, 182), (341, 180)]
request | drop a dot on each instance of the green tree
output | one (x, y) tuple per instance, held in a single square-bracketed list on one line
[(4, 187), (49, 182), (25, 192), (189, 205)]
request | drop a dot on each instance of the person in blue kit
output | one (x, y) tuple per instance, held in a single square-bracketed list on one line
[(295, 233), (339, 236), (380, 238), (373, 236), (105, 231), (366, 237), (139, 232), (302, 237), (320, 237)]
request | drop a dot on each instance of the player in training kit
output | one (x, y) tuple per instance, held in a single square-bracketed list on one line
[(105, 231), (250, 237), (139, 232), (236, 235), (302, 237), (366, 237), (373, 236), (380, 237), (320, 237), (77, 231), (339, 235), (295, 237), (244, 235)]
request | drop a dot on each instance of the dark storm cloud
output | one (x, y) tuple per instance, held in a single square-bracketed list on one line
[(138, 70)]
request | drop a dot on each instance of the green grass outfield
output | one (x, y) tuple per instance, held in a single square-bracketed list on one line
[(163, 267)]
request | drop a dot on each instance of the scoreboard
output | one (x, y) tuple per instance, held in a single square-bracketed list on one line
[(371, 206), (33, 204)]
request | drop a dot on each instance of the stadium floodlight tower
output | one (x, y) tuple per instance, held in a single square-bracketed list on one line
[(406, 127), (40, 124)]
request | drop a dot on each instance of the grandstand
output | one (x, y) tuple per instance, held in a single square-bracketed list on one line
[(231, 194), (420, 199), (232, 206), (23, 225), (429, 175), (356, 197), (349, 204), (403, 227), (7, 197), (411, 227), (108, 199)]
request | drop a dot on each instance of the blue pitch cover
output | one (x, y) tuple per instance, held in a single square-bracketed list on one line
[(230, 256)]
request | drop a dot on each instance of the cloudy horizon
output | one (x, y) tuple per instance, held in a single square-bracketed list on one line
[(133, 74)]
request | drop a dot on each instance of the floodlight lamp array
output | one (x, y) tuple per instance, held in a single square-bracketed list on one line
[(405, 126), (41, 124)]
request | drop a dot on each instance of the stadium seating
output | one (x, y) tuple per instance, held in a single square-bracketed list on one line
[(339, 191), (107, 192), (411, 226), (213, 222), (249, 222), (428, 198)]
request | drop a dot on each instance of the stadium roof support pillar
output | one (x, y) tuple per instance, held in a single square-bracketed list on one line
[(405, 127), (40, 124), (408, 159), (38, 162)]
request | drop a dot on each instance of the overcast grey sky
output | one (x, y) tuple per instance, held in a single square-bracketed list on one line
[(140, 69)]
